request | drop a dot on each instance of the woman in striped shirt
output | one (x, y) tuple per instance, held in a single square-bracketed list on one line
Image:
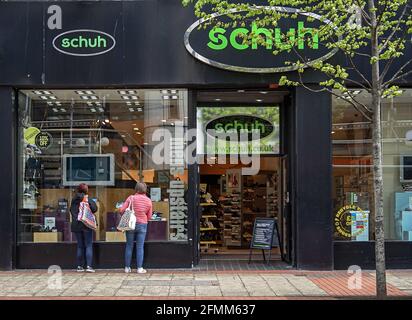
[(143, 210)]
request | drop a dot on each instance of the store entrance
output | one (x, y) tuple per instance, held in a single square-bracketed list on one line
[(232, 192)]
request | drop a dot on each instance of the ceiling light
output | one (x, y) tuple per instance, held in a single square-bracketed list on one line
[(107, 120), (175, 97), (55, 110), (94, 98), (93, 110), (164, 91), (166, 97), (101, 109), (63, 110), (85, 97), (49, 103), (84, 92), (124, 92), (173, 91), (145, 143), (128, 103), (139, 109), (131, 109), (52, 98), (263, 92), (259, 100), (241, 91), (217, 99), (42, 92), (136, 129), (44, 98)]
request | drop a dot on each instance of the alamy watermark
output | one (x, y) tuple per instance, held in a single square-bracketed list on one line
[(228, 147)]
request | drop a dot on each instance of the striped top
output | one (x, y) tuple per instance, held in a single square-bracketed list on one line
[(141, 205)]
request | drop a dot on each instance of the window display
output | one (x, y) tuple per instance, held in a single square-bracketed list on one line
[(353, 174), (102, 138)]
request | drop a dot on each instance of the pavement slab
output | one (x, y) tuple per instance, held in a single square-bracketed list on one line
[(188, 284)]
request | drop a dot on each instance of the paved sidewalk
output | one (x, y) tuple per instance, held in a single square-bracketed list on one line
[(189, 284)]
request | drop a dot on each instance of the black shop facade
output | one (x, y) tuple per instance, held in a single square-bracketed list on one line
[(86, 90)]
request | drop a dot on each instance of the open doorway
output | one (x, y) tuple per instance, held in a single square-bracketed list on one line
[(230, 197)]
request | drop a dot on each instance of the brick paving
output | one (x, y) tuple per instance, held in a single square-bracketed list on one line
[(191, 284)]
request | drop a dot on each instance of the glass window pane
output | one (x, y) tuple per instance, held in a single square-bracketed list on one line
[(103, 138)]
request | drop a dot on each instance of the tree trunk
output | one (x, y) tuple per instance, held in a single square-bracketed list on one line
[(377, 159), (378, 186)]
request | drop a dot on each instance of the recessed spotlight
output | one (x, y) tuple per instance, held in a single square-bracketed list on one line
[(332, 132), (263, 92), (218, 99), (42, 92), (136, 129), (259, 100)]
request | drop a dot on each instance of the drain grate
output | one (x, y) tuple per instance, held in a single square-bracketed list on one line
[(171, 283)]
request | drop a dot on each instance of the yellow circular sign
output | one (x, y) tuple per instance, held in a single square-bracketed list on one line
[(343, 220), (30, 135)]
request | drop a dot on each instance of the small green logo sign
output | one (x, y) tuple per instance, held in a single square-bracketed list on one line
[(84, 42)]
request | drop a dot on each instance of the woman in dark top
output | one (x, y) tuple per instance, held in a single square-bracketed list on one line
[(84, 235)]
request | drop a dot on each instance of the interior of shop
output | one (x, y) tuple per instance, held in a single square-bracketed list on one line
[(230, 200)]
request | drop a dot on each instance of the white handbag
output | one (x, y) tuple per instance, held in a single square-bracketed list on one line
[(128, 219)]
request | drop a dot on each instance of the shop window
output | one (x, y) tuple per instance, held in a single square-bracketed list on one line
[(353, 175), (102, 138)]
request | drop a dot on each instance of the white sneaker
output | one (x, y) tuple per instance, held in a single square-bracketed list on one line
[(127, 270), (90, 269), (141, 270)]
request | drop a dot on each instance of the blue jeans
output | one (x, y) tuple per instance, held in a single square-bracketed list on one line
[(84, 247), (138, 235)]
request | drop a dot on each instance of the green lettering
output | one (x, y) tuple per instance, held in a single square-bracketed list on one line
[(279, 41), (66, 43), (74, 43), (218, 42), (219, 127), (302, 31), (233, 38), (102, 42), (257, 32)]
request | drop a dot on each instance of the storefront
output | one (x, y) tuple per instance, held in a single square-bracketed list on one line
[(84, 90)]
